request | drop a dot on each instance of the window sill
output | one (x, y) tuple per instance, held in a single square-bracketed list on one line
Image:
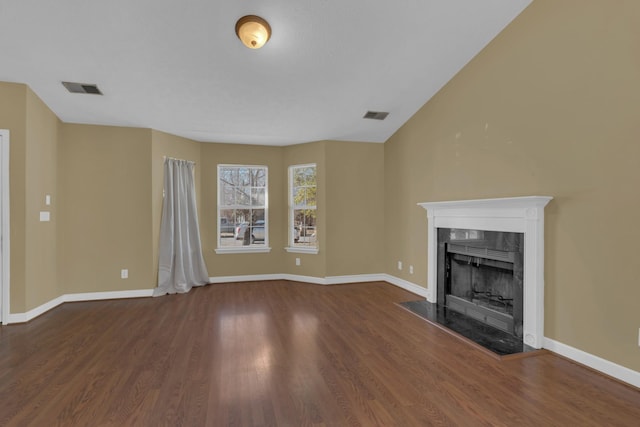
[(297, 250), (240, 250)]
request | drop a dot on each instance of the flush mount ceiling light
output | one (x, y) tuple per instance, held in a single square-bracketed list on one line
[(253, 31)]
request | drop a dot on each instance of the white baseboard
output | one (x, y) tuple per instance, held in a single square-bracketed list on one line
[(355, 278), (329, 280), (95, 296), (89, 296), (32, 314), (406, 285), (247, 278), (599, 364), (304, 279)]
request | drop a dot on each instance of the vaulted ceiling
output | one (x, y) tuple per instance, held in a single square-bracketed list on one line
[(177, 66)]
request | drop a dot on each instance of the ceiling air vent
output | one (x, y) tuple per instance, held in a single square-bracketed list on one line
[(90, 89), (376, 115)]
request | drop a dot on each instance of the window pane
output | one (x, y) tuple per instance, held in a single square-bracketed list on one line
[(243, 196), (228, 195), (311, 196), (225, 228), (242, 215), (258, 196), (227, 176), (257, 215), (299, 197), (310, 176), (305, 224), (259, 178)]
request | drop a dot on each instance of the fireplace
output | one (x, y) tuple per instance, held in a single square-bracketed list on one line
[(480, 275), (521, 220)]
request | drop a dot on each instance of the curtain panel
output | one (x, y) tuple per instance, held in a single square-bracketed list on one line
[(181, 265)]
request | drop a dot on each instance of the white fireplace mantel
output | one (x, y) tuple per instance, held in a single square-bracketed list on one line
[(511, 214)]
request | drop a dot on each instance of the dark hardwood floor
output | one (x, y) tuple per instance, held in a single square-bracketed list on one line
[(282, 354)]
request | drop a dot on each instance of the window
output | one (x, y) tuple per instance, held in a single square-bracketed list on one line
[(242, 209), (302, 209)]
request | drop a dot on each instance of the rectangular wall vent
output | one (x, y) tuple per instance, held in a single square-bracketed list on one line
[(376, 115), (90, 89)]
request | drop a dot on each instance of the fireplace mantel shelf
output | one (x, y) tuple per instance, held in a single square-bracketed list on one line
[(510, 214)]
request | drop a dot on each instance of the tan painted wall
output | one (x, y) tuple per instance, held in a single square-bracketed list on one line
[(242, 264), (550, 107), (355, 208), (41, 179), (13, 116), (313, 265), (105, 210), (166, 145)]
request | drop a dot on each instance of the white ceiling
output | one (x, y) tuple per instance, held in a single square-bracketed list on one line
[(177, 65)]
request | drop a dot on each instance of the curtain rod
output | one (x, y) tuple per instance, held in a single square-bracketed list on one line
[(173, 158)]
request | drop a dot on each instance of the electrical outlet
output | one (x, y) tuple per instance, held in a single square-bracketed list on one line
[(124, 273), (399, 265), (297, 261), (411, 269)]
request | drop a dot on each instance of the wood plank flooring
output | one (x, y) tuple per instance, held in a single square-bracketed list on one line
[(282, 353)]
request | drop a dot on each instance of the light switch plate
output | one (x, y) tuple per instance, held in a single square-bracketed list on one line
[(45, 216)]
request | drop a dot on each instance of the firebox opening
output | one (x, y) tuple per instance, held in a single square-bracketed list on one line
[(480, 275)]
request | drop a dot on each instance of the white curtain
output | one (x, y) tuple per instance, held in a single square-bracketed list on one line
[(181, 265)]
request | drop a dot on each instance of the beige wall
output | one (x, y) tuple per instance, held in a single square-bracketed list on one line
[(166, 145), (354, 178), (33, 173), (13, 116), (41, 179), (350, 200), (548, 108), (105, 210)]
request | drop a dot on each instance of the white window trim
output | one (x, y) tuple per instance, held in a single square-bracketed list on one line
[(251, 248), (298, 249), (302, 250), (243, 250)]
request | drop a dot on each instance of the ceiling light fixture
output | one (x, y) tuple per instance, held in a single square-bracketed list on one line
[(253, 31)]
